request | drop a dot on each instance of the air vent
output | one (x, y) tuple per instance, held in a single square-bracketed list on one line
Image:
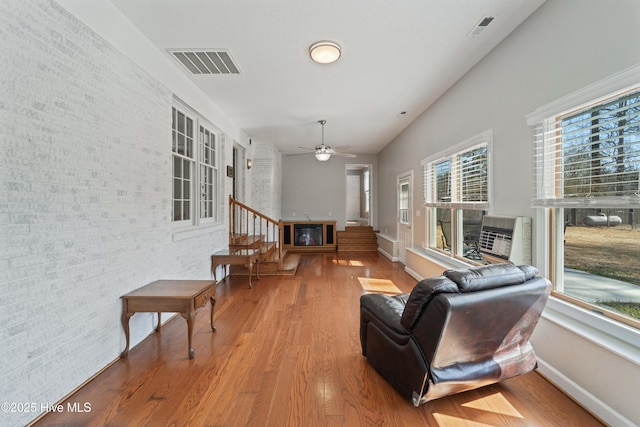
[(480, 26), (206, 61)]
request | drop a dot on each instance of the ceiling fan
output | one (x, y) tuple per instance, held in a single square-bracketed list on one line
[(324, 152)]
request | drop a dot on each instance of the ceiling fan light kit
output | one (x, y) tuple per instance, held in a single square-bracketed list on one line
[(323, 152), (323, 157), (325, 52)]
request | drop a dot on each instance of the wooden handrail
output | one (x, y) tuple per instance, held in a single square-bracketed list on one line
[(238, 212), (253, 211)]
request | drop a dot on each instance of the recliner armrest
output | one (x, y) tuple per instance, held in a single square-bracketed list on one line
[(385, 309)]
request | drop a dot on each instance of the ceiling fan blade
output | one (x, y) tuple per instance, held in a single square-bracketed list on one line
[(305, 148), (298, 154), (347, 155), (342, 148)]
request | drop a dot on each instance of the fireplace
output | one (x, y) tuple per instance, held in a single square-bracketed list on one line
[(307, 234)]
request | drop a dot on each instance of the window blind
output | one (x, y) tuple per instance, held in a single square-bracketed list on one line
[(458, 180), (590, 157)]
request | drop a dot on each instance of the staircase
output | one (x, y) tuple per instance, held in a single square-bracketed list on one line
[(357, 239), (250, 229)]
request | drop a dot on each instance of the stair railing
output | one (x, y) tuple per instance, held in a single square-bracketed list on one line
[(245, 222)]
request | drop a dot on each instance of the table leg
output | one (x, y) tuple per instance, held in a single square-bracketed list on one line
[(125, 324), (158, 326), (190, 317), (213, 304), (250, 266)]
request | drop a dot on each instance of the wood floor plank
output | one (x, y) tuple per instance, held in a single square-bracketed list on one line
[(287, 353)]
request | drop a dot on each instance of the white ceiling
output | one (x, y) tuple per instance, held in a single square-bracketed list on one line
[(397, 56)]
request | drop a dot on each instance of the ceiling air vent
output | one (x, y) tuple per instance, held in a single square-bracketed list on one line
[(207, 61), (480, 26)]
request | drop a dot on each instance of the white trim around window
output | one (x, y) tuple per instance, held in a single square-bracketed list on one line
[(553, 188), (196, 201), (619, 82), (457, 185)]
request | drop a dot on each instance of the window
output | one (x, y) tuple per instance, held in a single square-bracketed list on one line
[(208, 174), (183, 160), (457, 195), (587, 168), (403, 203), (195, 169)]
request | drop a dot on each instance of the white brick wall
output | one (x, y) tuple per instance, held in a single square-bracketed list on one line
[(266, 180), (85, 202)]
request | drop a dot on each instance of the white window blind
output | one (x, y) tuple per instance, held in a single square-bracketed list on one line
[(459, 179), (590, 156)]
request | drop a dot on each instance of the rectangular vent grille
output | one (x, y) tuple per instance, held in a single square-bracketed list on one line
[(206, 61), (480, 26)]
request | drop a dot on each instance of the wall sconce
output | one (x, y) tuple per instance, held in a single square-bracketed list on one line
[(249, 163)]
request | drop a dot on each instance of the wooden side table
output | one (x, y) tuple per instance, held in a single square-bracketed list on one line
[(247, 257), (169, 296)]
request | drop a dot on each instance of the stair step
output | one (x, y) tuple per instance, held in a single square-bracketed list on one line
[(358, 229), (357, 239), (270, 268), (243, 241), (358, 248)]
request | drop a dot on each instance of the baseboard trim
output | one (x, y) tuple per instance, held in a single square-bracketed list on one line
[(388, 255), (413, 274), (588, 401)]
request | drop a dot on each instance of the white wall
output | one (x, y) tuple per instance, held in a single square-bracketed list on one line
[(85, 191), (318, 188), (266, 180), (562, 47)]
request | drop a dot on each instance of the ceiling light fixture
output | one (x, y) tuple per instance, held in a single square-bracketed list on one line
[(325, 52), (322, 151), (323, 157)]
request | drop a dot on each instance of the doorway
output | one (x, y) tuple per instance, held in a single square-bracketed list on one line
[(358, 203), (405, 235)]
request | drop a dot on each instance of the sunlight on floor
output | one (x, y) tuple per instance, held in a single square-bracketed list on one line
[(352, 263), (496, 403), (449, 420), (381, 286)]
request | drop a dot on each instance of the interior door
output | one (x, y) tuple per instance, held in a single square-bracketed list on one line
[(353, 198), (405, 235)]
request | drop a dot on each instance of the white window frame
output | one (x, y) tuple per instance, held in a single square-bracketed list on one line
[(616, 336), (198, 163), (185, 160), (454, 204), (404, 208)]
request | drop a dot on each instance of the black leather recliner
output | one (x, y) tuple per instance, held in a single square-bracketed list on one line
[(460, 331)]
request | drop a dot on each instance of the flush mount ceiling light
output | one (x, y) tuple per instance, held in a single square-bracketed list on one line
[(325, 52)]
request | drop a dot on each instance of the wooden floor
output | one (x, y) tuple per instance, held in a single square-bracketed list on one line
[(287, 353)]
